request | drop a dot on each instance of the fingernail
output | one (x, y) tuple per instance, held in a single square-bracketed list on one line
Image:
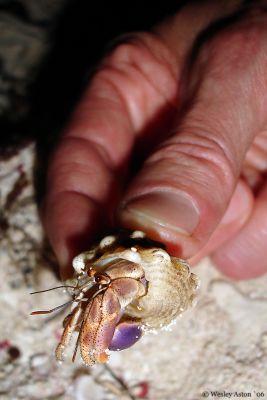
[(239, 207), (176, 211)]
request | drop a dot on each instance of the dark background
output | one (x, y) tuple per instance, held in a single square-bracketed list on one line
[(75, 34)]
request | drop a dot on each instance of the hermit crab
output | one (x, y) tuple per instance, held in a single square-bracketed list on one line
[(123, 286)]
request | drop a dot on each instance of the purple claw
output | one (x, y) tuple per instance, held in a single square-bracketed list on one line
[(126, 334)]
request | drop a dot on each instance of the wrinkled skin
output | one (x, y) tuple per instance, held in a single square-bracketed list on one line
[(203, 129)]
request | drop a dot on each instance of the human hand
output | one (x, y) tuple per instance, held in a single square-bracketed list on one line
[(201, 190)]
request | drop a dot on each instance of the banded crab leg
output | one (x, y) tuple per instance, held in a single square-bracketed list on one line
[(100, 319), (71, 322)]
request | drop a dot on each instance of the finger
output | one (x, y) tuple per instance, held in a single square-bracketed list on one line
[(71, 223), (136, 85), (184, 188), (245, 255), (255, 165), (88, 166), (235, 217)]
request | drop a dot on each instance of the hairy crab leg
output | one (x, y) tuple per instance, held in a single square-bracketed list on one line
[(100, 319), (98, 291), (71, 324)]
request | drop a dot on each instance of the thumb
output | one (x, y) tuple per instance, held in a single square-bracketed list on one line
[(184, 188)]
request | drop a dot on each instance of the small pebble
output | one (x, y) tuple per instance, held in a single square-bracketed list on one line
[(14, 352)]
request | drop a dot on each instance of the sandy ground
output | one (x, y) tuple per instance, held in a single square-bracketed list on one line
[(220, 345)]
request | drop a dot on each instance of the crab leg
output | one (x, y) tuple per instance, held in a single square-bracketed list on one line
[(100, 319), (71, 324)]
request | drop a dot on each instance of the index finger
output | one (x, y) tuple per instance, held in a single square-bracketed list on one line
[(87, 168)]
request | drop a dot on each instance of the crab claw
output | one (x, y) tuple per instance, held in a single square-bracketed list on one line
[(126, 334)]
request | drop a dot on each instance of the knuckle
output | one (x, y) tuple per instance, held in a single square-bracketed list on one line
[(75, 163), (125, 52), (131, 46), (239, 45), (230, 73), (200, 161), (149, 57)]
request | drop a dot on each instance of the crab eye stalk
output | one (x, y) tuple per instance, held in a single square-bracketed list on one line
[(102, 279), (91, 272)]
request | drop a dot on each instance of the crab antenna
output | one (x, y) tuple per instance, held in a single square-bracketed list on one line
[(58, 287), (52, 310)]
